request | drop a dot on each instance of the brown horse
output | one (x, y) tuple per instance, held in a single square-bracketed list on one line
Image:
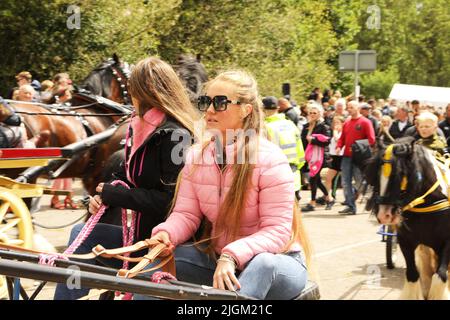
[(108, 80), (88, 115)]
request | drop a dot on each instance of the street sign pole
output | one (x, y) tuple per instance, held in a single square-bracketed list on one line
[(357, 61), (356, 74)]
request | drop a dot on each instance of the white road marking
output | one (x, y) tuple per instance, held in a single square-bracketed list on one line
[(343, 248)]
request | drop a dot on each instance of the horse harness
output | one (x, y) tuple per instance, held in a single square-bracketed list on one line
[(411, 207)]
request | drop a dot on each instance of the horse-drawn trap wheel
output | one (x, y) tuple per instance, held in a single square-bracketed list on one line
[(15, 226)]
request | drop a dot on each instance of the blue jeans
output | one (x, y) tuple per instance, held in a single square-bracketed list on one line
[(109, 236), (349, 171), (266, 276)]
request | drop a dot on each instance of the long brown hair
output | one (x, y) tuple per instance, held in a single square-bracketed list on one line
[(154, 84)]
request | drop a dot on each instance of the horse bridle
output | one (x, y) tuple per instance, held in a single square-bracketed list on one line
[(411, 206), (122, 78)]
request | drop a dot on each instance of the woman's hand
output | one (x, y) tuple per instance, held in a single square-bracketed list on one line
[(224, 276), (163, 237), (99, 188), (94, 204), (309, 138)]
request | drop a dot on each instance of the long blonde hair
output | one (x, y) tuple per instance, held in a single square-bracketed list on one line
[(154, 84), (232, 208)]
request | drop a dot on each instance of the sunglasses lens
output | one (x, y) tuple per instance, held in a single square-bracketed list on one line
[(220, 103), (203, 103)]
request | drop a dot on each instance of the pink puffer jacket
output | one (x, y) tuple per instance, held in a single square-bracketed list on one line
[(267, 219)]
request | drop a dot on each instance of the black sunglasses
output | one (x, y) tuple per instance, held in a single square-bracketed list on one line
[(220, 103)]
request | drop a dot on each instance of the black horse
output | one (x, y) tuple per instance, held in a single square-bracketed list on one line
[(411, 189)]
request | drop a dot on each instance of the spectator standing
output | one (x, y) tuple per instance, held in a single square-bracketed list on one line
[(312, 133), (366, 112), (401, 124), (444, 125), (286, 135), (289, 111), (336, 159), (355, 128)]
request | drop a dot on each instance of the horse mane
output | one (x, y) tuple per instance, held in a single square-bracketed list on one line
[(193, 75), (97, 82)]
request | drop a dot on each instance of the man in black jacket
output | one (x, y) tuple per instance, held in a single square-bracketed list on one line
[(401, 124), (444, 125)]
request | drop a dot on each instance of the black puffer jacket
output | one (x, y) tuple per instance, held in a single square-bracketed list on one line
[(155, 184), (292, 115), (320, 128)]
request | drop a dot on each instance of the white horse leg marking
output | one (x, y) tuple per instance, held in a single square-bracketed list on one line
[(411, 291), (439, 289), (426, 262)]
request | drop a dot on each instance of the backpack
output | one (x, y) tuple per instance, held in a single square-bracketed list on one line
[(361, 152)]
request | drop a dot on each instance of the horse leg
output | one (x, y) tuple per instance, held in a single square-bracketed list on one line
[(412, 289), (439, 285), (426, 264)]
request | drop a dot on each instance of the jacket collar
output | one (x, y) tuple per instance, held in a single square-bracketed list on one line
[(144, 127)]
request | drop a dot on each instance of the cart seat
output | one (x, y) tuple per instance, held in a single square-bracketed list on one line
[(311, 292)]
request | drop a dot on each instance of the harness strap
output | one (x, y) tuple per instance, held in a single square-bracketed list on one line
[(156, 250), (433, 208), (421, 199)]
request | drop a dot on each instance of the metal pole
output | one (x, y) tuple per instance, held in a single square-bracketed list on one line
[(356, 75)]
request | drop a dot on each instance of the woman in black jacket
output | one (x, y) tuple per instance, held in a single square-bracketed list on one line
[(316, 125), (158, 134)]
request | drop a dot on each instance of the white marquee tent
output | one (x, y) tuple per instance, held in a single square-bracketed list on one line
[(437, 96)]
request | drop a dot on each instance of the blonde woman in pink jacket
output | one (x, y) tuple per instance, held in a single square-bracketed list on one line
[(255, 243)]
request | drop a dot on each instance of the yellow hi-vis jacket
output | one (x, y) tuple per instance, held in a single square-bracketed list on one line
[(286, 135)]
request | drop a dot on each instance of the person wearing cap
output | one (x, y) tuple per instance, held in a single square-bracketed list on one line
[(365, 111), (286, 135)]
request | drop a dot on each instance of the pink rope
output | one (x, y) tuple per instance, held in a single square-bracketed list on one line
[(128, 234), (160, 276)]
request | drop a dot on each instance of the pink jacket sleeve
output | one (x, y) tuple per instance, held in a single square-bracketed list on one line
[(276, 201), (186, 216)]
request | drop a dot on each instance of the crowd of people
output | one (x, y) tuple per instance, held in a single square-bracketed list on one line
[(330, 125), (245, 214), (57, 90)]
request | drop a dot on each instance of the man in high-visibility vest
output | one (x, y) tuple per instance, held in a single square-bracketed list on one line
[(286, 135)]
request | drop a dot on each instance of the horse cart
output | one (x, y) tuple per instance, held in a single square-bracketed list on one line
[(15, 220), (18, 260)]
